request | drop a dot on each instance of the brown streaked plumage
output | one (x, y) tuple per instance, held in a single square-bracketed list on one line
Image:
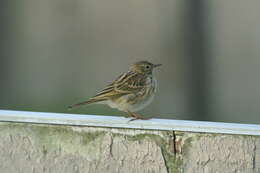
[(130, 92)]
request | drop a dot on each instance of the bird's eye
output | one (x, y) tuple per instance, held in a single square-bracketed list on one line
[(147, 67)]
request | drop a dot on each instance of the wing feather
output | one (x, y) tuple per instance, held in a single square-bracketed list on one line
[(126, 83)]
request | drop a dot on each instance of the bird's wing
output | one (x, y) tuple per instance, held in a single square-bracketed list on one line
[(126, 83), (131, 83)]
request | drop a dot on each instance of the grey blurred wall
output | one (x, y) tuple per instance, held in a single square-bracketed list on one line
[(55, 53), (234, 60)]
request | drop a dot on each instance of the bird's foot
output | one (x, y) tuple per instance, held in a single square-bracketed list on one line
[(140, 118), (136, 116)]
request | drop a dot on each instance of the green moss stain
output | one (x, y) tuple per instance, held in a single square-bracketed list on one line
[(65, 138), (140, 137), (56, 138), (172, 162), (186, 146)]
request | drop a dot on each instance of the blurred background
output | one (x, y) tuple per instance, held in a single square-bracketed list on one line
[(58, 52)]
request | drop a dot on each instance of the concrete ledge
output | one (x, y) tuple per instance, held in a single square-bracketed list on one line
[(35, 142), (121, 122)]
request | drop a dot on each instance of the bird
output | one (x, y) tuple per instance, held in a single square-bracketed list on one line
[(129, 92)]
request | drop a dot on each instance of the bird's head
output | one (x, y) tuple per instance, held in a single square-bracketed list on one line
[(144, 67)]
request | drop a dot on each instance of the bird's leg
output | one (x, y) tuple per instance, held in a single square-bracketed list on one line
[(136, 116)]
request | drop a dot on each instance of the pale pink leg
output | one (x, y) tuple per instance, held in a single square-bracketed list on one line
[(136, 116)]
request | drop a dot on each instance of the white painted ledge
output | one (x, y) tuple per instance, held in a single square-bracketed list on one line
[(121, 122)]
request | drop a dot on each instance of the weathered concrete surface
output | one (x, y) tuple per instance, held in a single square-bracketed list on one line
[(32, 148), (206, 153), (28, 148)]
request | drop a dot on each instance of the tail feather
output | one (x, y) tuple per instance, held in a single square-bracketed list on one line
[(84, 103)]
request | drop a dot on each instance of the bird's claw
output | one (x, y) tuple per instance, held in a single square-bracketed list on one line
[(139, 118)]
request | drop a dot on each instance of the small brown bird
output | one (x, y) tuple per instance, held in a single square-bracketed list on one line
[(130, 92)]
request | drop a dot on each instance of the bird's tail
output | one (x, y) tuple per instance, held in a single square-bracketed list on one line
[(84, 103)]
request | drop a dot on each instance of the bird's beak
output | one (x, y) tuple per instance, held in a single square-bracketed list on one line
[(156, 65)]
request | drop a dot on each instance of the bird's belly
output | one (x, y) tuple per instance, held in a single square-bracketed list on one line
[(133, 102), (141, 103)]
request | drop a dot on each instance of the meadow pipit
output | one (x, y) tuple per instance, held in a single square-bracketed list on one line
[(130, 92)]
